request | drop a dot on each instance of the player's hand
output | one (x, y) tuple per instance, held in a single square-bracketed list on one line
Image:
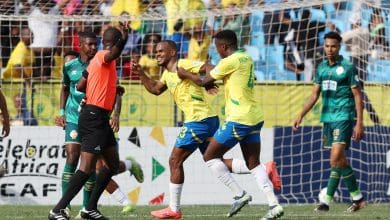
[(137, 69), (60, 121), (296, 124), (114, 123), (358, 132), (182, 73), (212, 89), (124, 28), (120, 90)]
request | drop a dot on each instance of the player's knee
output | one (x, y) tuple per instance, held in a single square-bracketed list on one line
[(72, 157), (338, 162), (175, 162)]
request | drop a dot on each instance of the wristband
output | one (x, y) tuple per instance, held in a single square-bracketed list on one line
[(62, 112)]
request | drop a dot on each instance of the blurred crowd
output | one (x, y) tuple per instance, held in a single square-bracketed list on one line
[(285, 44)]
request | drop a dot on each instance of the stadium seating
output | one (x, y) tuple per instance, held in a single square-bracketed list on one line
[(274, 60), (378, 70), (317, 15)]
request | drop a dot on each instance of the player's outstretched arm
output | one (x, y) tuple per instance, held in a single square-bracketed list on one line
[(4, 112), (117, 48), (358, 131), (198, 80), (315, 94), (153, 86), (206, 68)]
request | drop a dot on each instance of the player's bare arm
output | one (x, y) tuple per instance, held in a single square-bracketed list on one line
[(315, 94), (115, 118), (211, 88), (206, 68), (198, 80), (116, 49), (153, 86), (4, 112), (64, 94), (358, 131), (82, 84)]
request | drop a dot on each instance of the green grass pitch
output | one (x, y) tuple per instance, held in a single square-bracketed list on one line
[(301, 212)]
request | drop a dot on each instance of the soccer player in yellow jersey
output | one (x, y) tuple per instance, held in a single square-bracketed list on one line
[(201, 122), (244, 117)]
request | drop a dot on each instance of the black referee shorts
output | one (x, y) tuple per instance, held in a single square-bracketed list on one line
[(95, 130)]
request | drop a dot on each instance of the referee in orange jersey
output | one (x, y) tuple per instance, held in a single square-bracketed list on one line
[(97, 137)]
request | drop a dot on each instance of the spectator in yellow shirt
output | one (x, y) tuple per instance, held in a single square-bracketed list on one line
[(239, 3), (199, 43), (132, 7), (182, 7), (148, 59), (22, 58)]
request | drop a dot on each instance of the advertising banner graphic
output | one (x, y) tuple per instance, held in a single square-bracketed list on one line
[(35, 158)]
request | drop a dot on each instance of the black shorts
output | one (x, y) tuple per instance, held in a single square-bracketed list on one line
[(95, 130)]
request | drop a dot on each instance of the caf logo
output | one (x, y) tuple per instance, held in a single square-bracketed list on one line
[(73, 134), (31, 151)]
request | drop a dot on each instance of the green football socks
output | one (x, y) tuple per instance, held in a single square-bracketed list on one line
[(88, 187), (350, 181), (66, 176), (333, 182)]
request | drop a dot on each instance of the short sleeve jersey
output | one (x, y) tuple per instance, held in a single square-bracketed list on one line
[(22, 56), (336, 81), (72, 73), (189, 97), (236, 71), (101, 83)]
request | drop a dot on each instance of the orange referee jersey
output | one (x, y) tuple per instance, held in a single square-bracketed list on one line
[(101, 83)]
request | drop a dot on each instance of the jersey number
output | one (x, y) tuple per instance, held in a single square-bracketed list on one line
[(183, 131)]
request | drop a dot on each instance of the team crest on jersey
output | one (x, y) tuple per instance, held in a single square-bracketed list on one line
[(73, 134), (340, 70)]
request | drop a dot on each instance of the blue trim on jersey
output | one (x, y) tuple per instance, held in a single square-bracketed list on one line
[(195, 135), (231, 133)]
